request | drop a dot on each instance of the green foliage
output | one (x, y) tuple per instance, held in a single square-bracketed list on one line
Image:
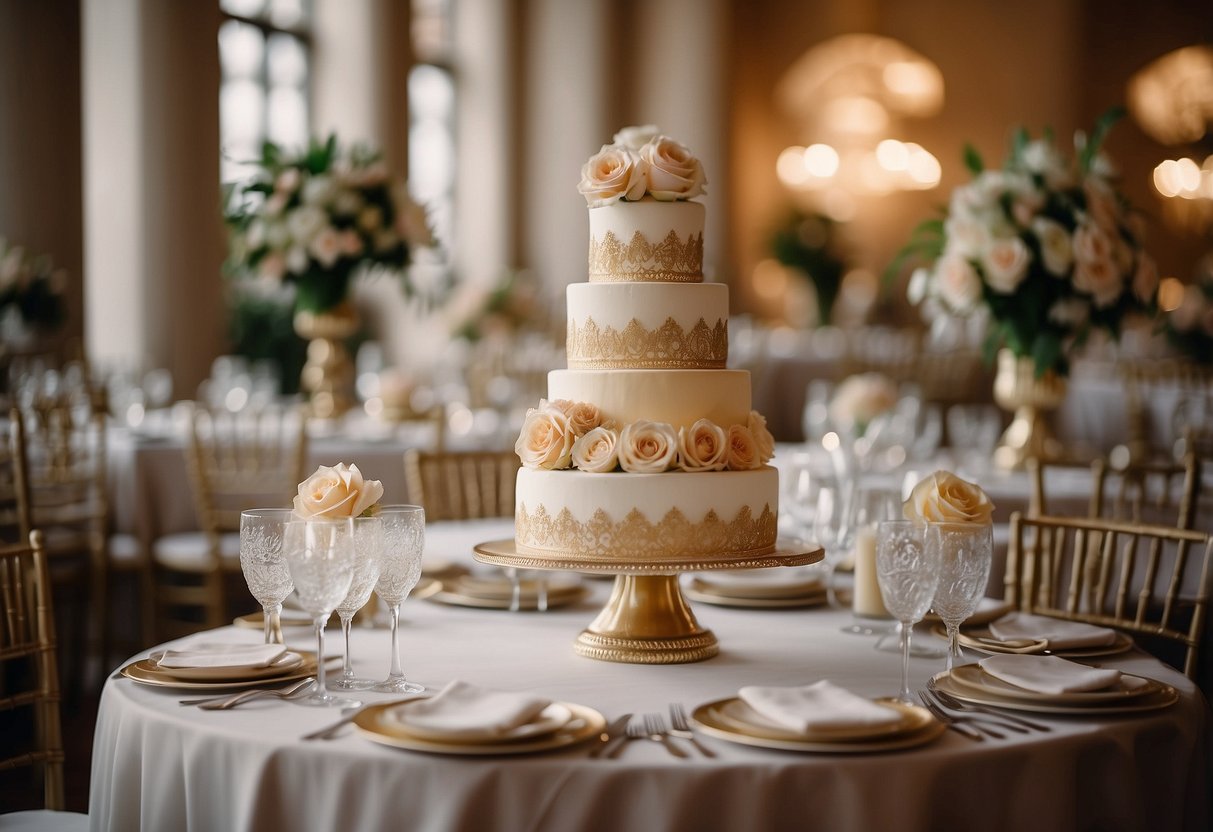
[(808, 243), (262, 328), (973, 160)]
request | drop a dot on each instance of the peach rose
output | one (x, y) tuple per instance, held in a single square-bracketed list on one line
[(597, 451), (1005, 261), (612, 174), (1100, 279), (673, 172), (762, 436), (648, 447), (703, 447), (546, 440), (742, 452), (944, 497), (957, 283), (583, 417), (333, 493)]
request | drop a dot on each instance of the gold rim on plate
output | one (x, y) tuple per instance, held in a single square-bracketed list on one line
[(1165, 697), (983, 641), (758, 591), (149, 676), (917, 728), (288, 661), (550, 720), (584, 724), (974, 678), (557, 597), (737, 602)]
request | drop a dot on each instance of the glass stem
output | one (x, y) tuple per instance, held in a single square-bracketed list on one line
[(273, 632), (831, 590), (347, 666), (953, 646), (905, 630), (321, 690), (516, 589), (396, 672)]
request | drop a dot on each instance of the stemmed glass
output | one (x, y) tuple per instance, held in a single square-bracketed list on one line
[(320, 554), (908, 573), (834, 530), (399, 571), (965, 551), (368, 551), (264, 567)]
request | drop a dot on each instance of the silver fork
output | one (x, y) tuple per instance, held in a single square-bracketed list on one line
[(286, 695), (681, 727), (949, 701), (652, 727), (302, 684), (950, 721), (977, 719)]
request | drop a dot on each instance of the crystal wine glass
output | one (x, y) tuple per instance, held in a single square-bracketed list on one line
[(368, 551), (908, 573), (264, 567), (965, 551), (320, 554), (399, 571), (834, 531)]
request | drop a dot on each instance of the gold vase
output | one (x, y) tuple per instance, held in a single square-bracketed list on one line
[(328, 375), (1031, 399)]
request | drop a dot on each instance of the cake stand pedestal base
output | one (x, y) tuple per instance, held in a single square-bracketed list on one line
[(646, 621)]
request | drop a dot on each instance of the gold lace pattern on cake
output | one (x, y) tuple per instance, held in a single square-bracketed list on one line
[(673, 537), (671, 260), (669, 346)]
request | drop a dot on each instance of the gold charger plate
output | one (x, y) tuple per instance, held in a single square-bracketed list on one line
[(1165, 697), (558, 596), (288, 661), (551, 719), (720, 719), (376, 727), (149, 676), (972, 676), (692, 592), (983, 640)]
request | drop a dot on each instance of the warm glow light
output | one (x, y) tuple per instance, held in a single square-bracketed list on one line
[(855, 114), (1166, 180), (821, 160), (893, 155), (1189, 174), (831, 442), (1170, 294), (873, 176), (839, 205), (923, 167), (770, 279), (790, 167), (1184, 179)]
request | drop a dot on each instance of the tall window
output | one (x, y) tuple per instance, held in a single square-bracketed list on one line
[(265, 59), (431, 127)]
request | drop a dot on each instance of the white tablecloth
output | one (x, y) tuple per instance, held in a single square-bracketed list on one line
[(157, 765)]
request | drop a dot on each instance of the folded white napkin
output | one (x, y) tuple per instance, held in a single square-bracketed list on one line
[(1061, 635), (207, 654), (464, 709), (817, 706), (1048, 674)]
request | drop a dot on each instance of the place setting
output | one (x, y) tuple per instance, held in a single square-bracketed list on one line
[(1032, 634), (793, 587), (206, 666)]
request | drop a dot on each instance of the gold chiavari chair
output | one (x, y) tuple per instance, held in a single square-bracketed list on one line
[(235, 461), (14, 486), (1192, 385), (464, 485), (31, 685), (1157, 492), (1150, 581)]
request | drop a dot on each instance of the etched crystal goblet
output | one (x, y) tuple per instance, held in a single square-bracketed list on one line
[(399, 571), (965, 551), (264, 567)]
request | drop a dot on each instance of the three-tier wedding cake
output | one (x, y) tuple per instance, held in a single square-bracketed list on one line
[(646, 448)]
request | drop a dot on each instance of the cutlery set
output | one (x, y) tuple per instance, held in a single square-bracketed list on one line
[(975, 721), (653, 727)]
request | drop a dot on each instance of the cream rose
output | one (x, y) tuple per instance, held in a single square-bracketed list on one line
[(965, 236), (1056, 251), (333, 493), (673, 172), (597, 451), (861, 398), (636, 137), (1091, 243), (546, 440), (612, 174), (957, 283), (1100, 279), (1005, 261), (757, 423), (742, 449), (703, 447), (648, 447), (944, 497), (583, 417)]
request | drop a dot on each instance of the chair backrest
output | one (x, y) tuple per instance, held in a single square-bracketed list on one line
[(1148, 580), (1191, 419), (462, 485), (27, 662), (1155, 493), (15, 521), (65, 454), (237, 460)]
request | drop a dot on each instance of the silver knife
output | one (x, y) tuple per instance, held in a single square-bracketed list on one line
[(616, 732)]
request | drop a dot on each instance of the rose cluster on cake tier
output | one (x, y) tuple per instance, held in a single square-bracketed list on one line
[(646, 448)]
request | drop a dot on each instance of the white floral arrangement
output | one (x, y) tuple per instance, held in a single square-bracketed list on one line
[(641, 161), (861, 398), (1046, 245), (562, 434), (313, 218)]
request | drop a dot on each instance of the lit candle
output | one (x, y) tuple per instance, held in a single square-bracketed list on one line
[(866, 600)]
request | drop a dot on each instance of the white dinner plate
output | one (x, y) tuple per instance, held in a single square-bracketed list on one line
[(141, 673), (285, 663), (585, 724), (694, 593), (1129, 687), (1164, 698), (549, 720), (739, 716)]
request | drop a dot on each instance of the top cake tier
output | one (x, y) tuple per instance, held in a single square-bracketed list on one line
[(647, 241)]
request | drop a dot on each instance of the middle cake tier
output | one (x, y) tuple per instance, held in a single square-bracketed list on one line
[(679, 397), (648, 325)]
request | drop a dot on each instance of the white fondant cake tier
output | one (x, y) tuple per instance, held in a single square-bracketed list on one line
[(679, 397), (675, 515), (647, 241), (648, 325)]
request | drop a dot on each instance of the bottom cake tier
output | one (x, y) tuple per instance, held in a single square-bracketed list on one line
[(672, 516)]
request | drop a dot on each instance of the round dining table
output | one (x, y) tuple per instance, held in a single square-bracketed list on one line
[(161, 765)]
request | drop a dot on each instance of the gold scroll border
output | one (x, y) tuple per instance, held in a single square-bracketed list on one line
[(674, 261), (669, 346)]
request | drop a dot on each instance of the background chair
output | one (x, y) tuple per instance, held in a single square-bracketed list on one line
[(29, 698), (235, 461), (465, 485), (1151, 581), (1160, 492)]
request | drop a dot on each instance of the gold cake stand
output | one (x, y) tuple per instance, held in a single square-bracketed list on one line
[(646, 620)]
